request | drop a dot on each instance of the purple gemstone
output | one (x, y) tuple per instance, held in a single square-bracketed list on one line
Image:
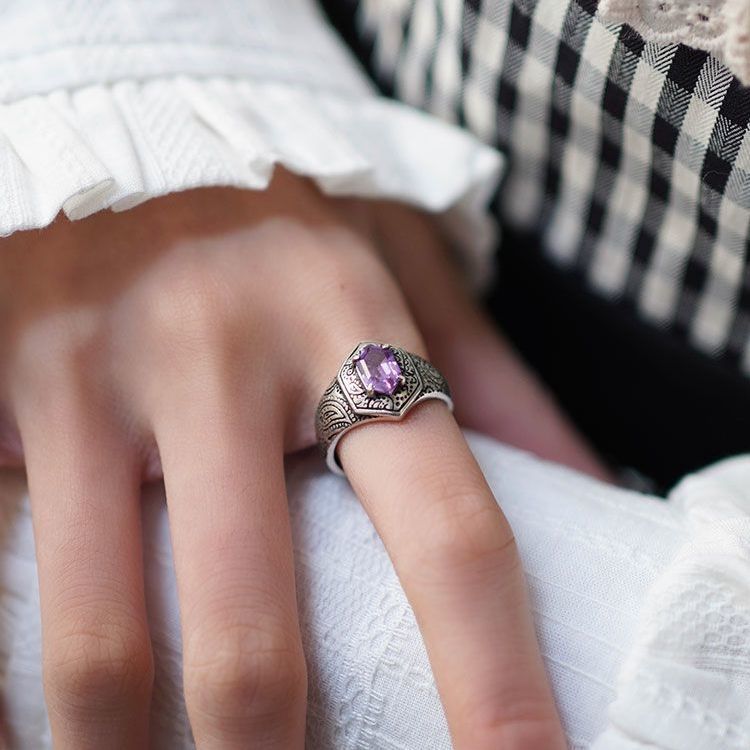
[(377, 369)]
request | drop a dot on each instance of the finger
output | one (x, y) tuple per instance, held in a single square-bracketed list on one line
[(449, 542), (11, 451), (498, 394), (84, 487), (245, 679), (455, 556)]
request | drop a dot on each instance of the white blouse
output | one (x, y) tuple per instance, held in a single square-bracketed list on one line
[(107, 104)]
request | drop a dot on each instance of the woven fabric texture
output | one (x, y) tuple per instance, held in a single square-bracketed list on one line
[(641, 607)]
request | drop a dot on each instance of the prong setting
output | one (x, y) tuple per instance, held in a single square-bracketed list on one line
[(378, 370), (348, 402)]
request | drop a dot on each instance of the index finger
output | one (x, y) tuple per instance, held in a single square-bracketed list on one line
[(456, 558)]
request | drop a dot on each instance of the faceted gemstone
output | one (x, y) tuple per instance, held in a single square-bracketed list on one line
[(377, 369)]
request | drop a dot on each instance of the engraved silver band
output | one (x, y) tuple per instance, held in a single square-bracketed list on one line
[(356, 395)]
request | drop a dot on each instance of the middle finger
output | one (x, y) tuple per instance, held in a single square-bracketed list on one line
[(222, 455)]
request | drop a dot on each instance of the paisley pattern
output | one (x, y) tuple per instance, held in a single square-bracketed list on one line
[(346, 403)]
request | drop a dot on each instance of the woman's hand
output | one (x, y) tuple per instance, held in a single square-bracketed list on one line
[(194, 336)]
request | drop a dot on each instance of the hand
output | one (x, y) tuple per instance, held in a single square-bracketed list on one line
[(192, 337)]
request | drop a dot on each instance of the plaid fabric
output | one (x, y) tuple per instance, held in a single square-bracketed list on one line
[(629, 160)]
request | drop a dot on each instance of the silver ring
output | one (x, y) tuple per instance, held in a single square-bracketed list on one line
[(375, 382)]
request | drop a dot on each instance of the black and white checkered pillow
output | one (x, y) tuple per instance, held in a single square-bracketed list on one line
[(630, 160)]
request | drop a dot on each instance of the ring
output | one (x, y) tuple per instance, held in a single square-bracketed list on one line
[(375, 382)]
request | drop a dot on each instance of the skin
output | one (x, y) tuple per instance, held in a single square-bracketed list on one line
[(190, 339)]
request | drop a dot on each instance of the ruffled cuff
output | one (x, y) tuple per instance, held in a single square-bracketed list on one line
[(685, 684), (117, 145)]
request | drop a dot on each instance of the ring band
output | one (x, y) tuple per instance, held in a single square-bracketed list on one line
[(376, 382)]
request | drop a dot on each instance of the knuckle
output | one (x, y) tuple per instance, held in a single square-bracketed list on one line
[(348, 273), (192, 307), (527, 725), (94, 666), (60, 350), (466, 533), (242, 672), (338, 274)]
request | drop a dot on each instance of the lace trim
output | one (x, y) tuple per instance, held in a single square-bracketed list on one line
[(721, 27)]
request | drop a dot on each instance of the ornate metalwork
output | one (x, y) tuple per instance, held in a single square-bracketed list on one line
[(346, 403)]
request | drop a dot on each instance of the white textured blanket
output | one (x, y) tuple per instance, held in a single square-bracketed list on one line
[(642, 608)]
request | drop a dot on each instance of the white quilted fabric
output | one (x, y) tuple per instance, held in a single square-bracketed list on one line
[(690, 664), (639, 603), (721, 27)]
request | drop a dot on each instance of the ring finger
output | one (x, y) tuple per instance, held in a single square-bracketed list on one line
[(455, 555), (84, 484)]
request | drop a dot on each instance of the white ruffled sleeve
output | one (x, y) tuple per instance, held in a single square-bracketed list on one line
[(685, 682), (104, 105)]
